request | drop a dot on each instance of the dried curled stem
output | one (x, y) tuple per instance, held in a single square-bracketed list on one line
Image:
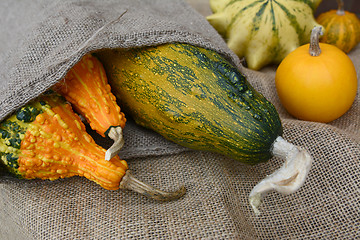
[(116, 134), (131, 183), (287, 179)]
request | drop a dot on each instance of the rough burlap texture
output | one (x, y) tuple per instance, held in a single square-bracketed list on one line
[(41, 41)]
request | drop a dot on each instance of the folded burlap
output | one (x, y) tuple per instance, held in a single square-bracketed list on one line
[(39, 44)]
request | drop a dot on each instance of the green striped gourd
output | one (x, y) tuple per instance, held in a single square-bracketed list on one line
[(196, 98), (265, 31)]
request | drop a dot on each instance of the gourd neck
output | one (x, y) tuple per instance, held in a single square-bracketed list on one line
[(314, 48), (340, 10)]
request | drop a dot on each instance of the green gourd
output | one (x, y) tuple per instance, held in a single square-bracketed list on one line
[(196, 98)]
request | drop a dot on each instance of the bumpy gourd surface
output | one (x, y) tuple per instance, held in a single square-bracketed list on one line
[(263, 31), (195, 98), (46, 140), (87, 88)]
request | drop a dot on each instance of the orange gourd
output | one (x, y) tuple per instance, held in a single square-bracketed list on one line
[(45, 139), (317, 81), (342, 28), (86, 87)]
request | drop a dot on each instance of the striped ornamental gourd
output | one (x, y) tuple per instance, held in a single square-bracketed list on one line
[(263, 31), (341, 28)]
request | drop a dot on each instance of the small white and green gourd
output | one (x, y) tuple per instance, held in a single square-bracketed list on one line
[(263, 31)]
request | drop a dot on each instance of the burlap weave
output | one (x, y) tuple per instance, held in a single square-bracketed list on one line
[(41, 41)]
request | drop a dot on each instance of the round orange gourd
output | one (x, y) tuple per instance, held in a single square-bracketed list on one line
[(342, 28), (317, 81)]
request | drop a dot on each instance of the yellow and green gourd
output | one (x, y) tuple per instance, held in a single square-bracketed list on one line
[(194, 97), (342, 28), (263, 31)]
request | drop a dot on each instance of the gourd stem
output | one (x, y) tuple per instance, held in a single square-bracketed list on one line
[(116, 134), (314, 48), (288, 178), (340, 10), (131, 183)]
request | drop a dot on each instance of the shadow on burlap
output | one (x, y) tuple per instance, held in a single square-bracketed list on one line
[(44, 40)]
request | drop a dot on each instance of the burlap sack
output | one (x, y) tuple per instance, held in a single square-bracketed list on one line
[(41, 41)]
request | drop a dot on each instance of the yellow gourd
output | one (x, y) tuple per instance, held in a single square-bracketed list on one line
[(342, 28), (317, 81)]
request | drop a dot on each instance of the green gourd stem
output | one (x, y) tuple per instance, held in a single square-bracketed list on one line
[(129, 182), (314, 48), (340, 10)]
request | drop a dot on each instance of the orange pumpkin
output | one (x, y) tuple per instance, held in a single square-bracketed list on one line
[(317, 81), (342, 28)]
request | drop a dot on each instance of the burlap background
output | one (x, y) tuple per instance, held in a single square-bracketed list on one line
[(41, 41)]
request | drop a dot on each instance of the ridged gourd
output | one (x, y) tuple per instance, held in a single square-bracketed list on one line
[(263, 32)]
